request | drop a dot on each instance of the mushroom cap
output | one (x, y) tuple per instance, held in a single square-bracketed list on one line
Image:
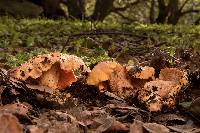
[(101, 72), (55, 70), (173, 74), (35, 66), (157, 93), (120, 84), (145, 72), (117, 78)]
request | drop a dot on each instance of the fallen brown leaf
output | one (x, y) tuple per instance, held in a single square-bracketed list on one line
[(184, 129), (16, 108), (137, 127), (169, 119), (111, 125), (155, 128), (9, 124)]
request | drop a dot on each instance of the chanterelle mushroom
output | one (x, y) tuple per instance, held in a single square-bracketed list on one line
[(140, 75), (163, 91), (55, 70), (115, 75)]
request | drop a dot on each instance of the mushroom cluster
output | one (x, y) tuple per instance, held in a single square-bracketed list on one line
[(162, 91), (132, 81), (59, 71), (110, 75), (54, 70)]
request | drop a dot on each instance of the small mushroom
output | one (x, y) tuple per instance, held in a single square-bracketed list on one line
[(140, 75), (101, 73), (174, 74), (163, 91), (54, 70), (158, 93), (111, 76)]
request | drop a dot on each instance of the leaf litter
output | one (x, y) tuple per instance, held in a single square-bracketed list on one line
[(47, 95)]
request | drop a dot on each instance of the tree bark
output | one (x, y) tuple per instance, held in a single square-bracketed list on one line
[(76, 8), (163, 12), (152, 11), (197, 22), (102, 9), (19, 8), (51, 8), (174, 12)]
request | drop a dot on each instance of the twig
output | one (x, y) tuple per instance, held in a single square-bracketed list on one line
[(99, 32), (104, 32), (68, 39)]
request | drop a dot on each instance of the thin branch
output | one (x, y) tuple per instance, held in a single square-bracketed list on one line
[(117, 9), (190, 11), (197, 22), (183, 5), (67, 42), (98, 33)]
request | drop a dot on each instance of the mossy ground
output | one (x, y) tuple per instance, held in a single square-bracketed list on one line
[(23, 38)]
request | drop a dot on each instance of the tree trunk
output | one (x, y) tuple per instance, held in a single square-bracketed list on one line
[(19, 8), (163, 12), (197, 22), (52, 8), (76, 8), (174, 13), (152, 11), (102, 9)]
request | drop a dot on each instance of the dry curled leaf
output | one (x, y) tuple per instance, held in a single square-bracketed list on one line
[(111, 125), (140, 127), (9, 124), (187, 128), (137, 127), (169, 119), (16, 108), (55, 70), (111, 76), (155, 128)]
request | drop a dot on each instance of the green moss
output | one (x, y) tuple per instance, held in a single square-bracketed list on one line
[(31, 35)]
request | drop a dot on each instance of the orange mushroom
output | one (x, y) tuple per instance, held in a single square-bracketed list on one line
[(163, 91), (158, 93), (140, 75), (111, 76), (101, 73), (173, 74), (54, 70)]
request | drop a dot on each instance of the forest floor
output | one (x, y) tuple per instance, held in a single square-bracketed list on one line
[(86, 109)]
